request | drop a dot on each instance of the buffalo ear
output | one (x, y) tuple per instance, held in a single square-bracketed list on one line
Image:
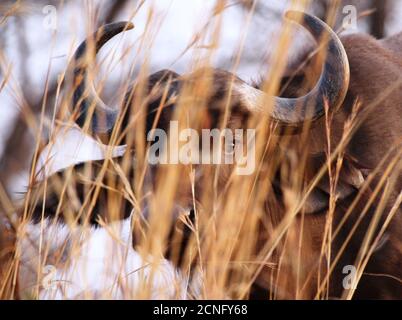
[(350, 180), (352, 174), (317, 201)]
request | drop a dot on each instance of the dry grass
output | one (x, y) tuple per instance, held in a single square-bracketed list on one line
[(241, 233)]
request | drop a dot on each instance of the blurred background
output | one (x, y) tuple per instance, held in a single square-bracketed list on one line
[(37, 39)]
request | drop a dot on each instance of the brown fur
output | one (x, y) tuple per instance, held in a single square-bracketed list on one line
[(375, 65)]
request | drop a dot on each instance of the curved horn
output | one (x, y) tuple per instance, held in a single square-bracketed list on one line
[(331, 87), (85, 98)]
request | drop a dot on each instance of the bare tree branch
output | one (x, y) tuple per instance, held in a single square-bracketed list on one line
[(377, 25)]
